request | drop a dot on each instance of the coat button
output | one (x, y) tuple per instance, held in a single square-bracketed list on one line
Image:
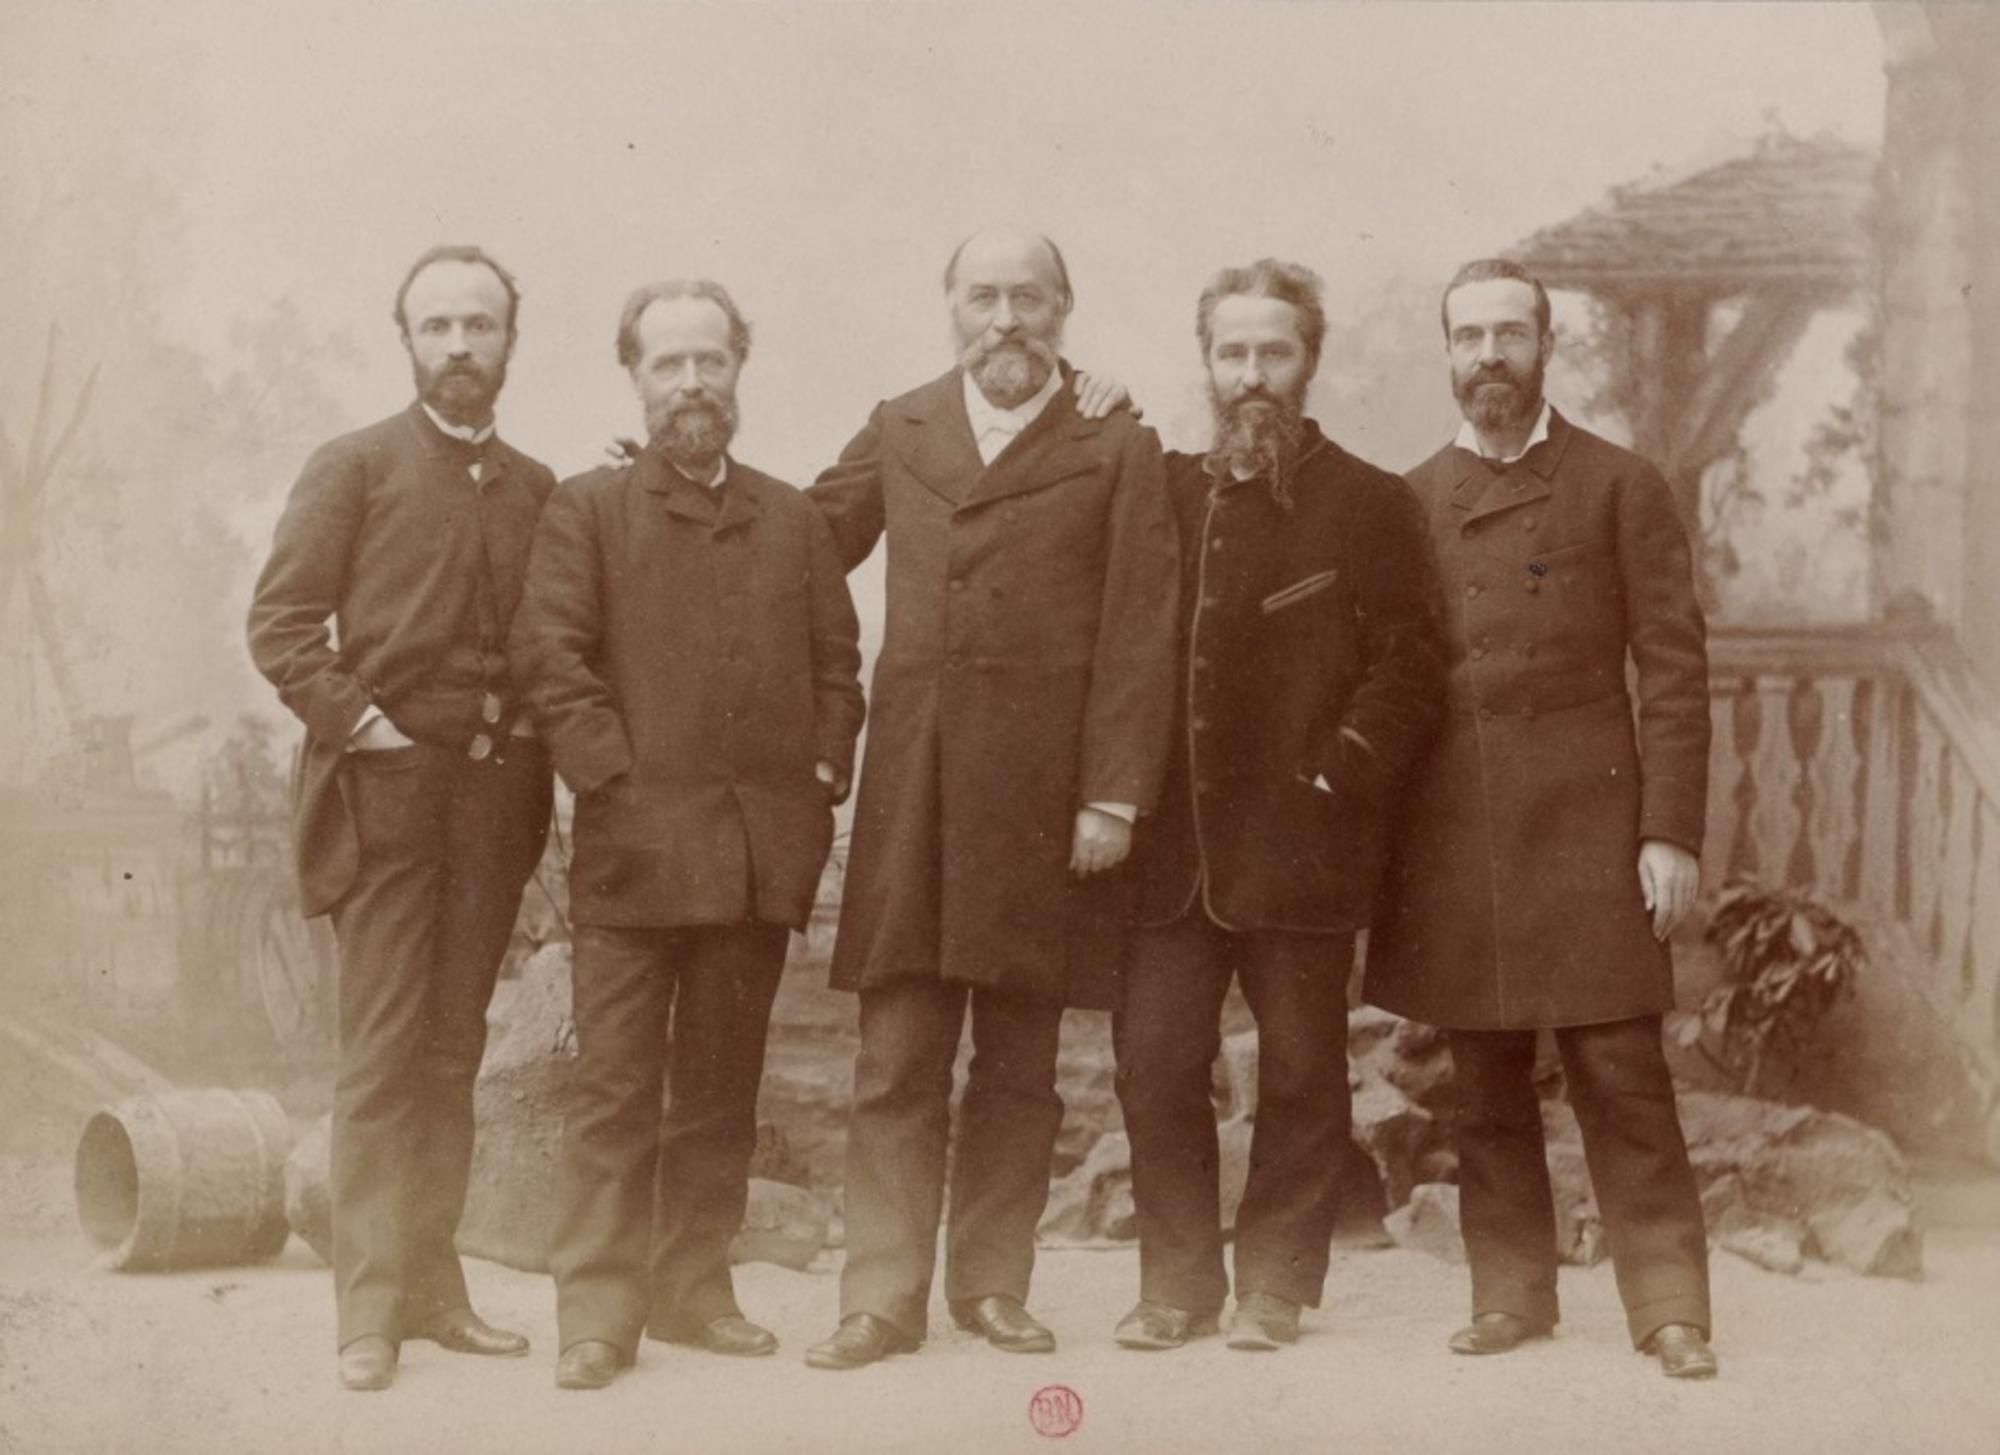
[(1216, 544), (1211, 602), (1200, 724), (1528, 523), (1201, 785), (1486, 712), (1478, 652), (1527, 712), (1201, 664), (1010, 513), (957, 584), (1472, 591), (1534, 585)]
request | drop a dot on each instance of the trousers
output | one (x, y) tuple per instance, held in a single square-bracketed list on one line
[(1623, 1095), (1167, 1035), (647, 1204), (898, 1135), (446, 848)]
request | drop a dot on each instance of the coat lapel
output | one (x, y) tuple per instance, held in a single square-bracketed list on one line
[(941, 452), (680, 496), (1526, 483), (741, 502), (1047, 452)]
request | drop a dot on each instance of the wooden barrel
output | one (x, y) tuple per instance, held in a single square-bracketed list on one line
[(185, 1179)]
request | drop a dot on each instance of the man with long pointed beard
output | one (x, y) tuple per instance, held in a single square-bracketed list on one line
[(422, 794), (1312, 677), (1018, 726), (689, 648), (1547, 849)]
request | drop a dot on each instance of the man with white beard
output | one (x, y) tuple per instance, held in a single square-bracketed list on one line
[(1312, 677), (1018, 725)]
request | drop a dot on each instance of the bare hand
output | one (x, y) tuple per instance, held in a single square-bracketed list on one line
[(621, 452), (1102, 842), (380, 736), (1669, 878), (831, 779), (1098, 395)]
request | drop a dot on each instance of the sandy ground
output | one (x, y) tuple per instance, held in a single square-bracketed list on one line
[(241, 1359)]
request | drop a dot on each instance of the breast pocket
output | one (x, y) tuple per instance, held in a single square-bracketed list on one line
[(1303, 589)]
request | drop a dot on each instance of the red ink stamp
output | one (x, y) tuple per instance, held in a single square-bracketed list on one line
[(1055, 1411)]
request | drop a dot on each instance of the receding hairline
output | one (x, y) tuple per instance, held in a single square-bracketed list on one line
[(1047, 243)]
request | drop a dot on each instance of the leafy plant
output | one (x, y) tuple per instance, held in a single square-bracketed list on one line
[(1786, 961)]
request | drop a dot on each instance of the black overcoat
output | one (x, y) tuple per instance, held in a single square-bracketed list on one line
[(1513, 900), (1311, 657), (689, 660), (1027, 668)]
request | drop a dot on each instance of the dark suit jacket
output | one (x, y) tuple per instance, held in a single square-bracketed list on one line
[(1310, 640), (689, 661), (1513, 900), (1027, 669), (387, 535)]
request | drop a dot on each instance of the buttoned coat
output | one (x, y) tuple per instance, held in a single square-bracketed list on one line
[(1310, 656), (1027, 669), (689, 660), (1513, 899), (386, 535)]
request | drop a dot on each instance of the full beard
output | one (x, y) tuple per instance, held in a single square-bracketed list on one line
[(1009, 372), (693, 433), (1259, 435), (1495, 397), (461, 392)]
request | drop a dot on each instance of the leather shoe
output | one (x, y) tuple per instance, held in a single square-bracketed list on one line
[(588, 1364), (860, 1339), (1262, 1322), (1684, 1353), (1156, 1325), (1496, 1333), (730, 1334), (1001, 1320), (369, 1362), (463, 1332)]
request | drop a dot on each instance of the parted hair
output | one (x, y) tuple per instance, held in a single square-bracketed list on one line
[(457, 253), (1485, 270), (645, 297), (1292, 283)]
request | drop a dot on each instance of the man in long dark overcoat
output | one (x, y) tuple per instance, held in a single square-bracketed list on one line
[(1313, 676), (422, 796), (689, 648), (1018, 724), (1548, 848)]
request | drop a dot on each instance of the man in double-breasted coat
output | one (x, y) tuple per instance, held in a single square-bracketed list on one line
[(691, 654), (422, 796), (1018, 725), (1547, 848), (1312, 676)]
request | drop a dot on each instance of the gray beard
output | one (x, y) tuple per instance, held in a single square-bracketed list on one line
[(693, 435), (1009, 374)]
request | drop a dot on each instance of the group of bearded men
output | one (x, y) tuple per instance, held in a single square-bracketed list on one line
[(1142, 725)]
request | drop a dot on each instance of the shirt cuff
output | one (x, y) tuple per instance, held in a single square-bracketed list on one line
[(368, 715), (1125, 811)]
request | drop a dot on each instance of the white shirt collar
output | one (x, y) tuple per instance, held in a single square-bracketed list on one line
[(993, 427), (459, 431), (713, 482), (1468, 437)]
